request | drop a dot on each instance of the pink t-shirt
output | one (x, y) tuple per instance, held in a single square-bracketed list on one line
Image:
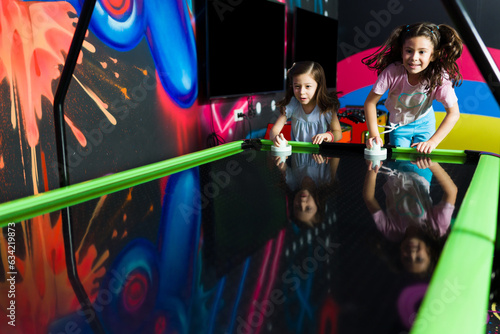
[(439, 218), (408, 203), (407, 103)]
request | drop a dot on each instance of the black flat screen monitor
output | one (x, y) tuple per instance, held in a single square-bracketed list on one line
[(245, 47), (315, 39)]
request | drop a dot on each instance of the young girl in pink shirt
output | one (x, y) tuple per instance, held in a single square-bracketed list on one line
[(417, 65)]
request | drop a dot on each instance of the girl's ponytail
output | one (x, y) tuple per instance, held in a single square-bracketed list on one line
[(450, 49)]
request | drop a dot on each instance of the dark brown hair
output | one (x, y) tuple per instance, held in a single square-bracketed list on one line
[(447, 44), (326, 101), (389, 251)]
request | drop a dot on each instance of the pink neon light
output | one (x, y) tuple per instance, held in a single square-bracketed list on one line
[(222, 126), (258, 287), (274, 268)]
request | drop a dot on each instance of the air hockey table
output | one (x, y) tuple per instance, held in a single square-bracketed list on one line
[(240, 239)]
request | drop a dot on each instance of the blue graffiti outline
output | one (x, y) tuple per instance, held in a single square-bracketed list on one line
[(303, 295), (238, 296)]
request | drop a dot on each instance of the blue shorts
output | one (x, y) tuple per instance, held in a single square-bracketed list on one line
[(407, 167), (415, 132)]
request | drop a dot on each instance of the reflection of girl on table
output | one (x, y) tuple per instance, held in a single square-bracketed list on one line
[(309, 180), (311, 107), (410, 218)]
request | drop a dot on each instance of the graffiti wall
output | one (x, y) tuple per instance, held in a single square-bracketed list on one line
[(133, 100), (133, 97)]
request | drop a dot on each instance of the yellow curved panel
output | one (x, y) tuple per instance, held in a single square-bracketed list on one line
[(472, 132)]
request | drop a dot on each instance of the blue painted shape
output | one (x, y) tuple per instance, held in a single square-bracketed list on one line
[(179, 234), (122, 33), (474, 98), (172, 43), (137, 260), (169, 33), (73, 323)]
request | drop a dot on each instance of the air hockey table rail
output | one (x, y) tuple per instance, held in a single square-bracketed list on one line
[(459, 290)]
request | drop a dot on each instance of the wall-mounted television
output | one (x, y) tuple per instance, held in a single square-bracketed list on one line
[(315, 38), (245, 47)]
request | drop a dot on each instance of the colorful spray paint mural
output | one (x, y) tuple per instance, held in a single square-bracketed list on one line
[(105, 88), (133, 100), (154, 260)]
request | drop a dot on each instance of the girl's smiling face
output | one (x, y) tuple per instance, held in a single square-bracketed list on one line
[(417, 54), (415, 255)]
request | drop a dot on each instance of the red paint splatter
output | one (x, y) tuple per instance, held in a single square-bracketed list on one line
[(34, 37), (135, 292), (185, 125), (43, 292), (160, 325), (116, 8), (44, 171)]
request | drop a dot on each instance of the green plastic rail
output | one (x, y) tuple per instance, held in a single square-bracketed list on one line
[(438, 155), (32, 206), (458, 295), (297, 146), (398, 153)]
